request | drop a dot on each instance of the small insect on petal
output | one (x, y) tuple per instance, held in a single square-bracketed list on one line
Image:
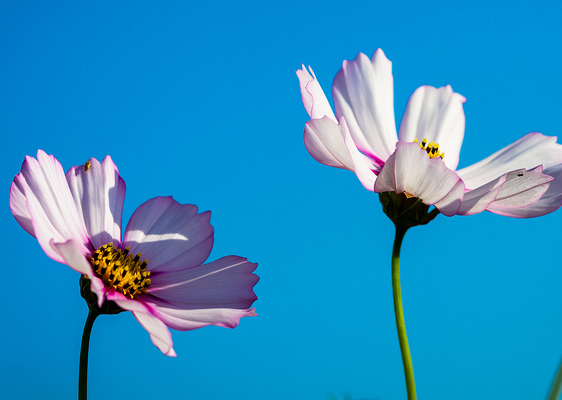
[(87, 165)]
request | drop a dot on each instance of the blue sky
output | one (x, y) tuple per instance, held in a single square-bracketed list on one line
[(201, 102)]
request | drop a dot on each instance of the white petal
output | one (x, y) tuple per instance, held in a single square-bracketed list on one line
[(99, 194), (531, 150), (50, 205), (477, 200), (324, 140), (438, 116), (521, 189), (411, 171), (549, 202), (18, 204), (364, 94), (313, 97), (365, 168)]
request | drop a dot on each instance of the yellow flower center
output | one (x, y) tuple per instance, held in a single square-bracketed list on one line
[(120, 270), (431, 148)]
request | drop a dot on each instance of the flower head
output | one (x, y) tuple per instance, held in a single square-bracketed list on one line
[(156, 270), (421, 160)]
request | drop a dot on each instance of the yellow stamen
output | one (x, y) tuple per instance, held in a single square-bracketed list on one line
[(120, 270), (432, 149)]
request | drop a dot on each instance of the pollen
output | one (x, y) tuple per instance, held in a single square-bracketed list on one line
[(431, 148), (120, 270)]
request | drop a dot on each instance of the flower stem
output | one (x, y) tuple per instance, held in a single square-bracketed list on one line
[(399, 313), (83, 371), (556, 386)]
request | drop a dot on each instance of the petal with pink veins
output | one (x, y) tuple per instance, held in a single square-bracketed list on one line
[(409, 170), (531, 150), (438, 116), (72, 257), (18, 204), (159, 333), (186, 319), (549, 202), (50, 205), (521, 189), (313, 98), (225, 283), (169, 234), (99, 193), (364, 94), (324, 140)]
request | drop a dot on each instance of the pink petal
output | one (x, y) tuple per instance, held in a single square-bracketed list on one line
[(409, 170), (313, 97), (477, 200), (324, 140), (99, 194), (50, 205), (438, 116), (170, 235), (186, 319), (70, 252), (364, 94), (159, 333), (18, 204), (225, 283), (531, 150), (522, 188), (549, 202)]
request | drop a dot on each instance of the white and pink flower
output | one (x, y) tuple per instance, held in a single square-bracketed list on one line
[(167, 284), (522, 180)]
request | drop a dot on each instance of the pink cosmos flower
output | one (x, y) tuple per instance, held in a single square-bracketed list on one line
[(77, 221), (517, 181)]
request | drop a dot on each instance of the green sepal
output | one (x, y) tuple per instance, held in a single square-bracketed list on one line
[(108, 306), (406, 212)]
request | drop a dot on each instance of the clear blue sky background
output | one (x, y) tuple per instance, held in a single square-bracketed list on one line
[(200, 100)]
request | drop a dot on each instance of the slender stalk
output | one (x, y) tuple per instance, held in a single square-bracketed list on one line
[(399, 314), (83, 371), (556, 386)]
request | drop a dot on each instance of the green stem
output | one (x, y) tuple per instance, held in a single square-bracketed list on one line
[(83, 371), (399, 314), (556, 386)]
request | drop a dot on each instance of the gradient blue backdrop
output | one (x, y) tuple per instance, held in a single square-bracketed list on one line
[(200, 101)]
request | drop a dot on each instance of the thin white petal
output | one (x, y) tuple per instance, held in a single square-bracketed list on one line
[(313, 97), (531, 150), (99, 193), (324, 140), (438, 116), (364, 94)]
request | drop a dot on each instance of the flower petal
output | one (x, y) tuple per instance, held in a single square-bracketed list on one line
[(438, 116), (364, 167), (18, 204), (364, 94), (477, 200), (521, 189), (159, 334), (185, 320), (324, 140), (549, 202), (409, 170), (225, 283), (313, 97), (531, 150), (50, 205), (70, 252), (170, 235), (99, 193)]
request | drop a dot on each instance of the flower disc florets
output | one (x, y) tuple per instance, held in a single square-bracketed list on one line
[(120, 270)]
